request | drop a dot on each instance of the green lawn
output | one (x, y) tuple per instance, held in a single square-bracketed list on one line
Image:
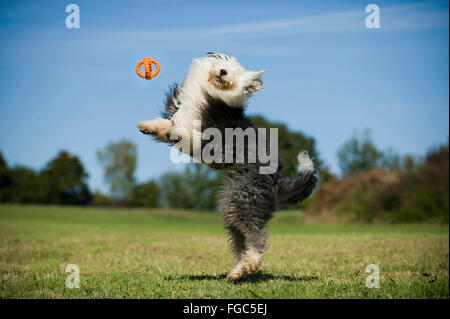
[(138, 253)]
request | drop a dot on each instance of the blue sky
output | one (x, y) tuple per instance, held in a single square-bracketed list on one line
[(328, 75)]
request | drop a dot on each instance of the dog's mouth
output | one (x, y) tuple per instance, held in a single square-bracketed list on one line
[(220, 83)]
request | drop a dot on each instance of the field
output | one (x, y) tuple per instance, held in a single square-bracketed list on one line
[(138, 253)]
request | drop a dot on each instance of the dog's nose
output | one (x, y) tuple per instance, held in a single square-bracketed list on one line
[(223, 72)]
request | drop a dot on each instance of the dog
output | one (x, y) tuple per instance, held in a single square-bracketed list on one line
[(215, 93)]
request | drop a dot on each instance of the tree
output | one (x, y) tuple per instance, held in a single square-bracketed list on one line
[(197, 185), (5, 180), (99, 199), (194, 188), (390, 160), (119, 162), (25, 186), (146, 195), (360, 154), (290, 143), (63, 181)]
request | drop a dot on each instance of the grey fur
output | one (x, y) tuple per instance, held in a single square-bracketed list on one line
[(171, 102), (247, 199)]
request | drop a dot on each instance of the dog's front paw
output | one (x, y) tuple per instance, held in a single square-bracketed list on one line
[(145, 127), (148, 127), (236, 273), (252, 261), (234, 276), (156, 127)]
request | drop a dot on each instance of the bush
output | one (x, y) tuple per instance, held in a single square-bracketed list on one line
[(62, 181), (194, 188), (146, 195), (98, 199), (421, 194), (359, 154)]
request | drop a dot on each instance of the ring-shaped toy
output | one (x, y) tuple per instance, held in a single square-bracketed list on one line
[(148, 75)]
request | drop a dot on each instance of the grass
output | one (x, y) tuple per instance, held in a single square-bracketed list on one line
[(138, 253)]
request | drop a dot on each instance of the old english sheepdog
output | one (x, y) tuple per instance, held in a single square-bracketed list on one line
[(214, 95)]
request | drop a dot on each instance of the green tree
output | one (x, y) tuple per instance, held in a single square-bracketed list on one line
[(290, 143), (420, 193), (99, 199), (146, 195), (197, 185), (360, 154), (25, 187), (5, 180), (18, 184), (390, 160), (63, 181), (119, 162), (424, 192), (194, 188)]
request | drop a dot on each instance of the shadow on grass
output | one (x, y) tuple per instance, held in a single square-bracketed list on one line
[(253, 278)]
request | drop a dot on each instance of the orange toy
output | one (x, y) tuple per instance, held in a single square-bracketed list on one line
[(148, 68)]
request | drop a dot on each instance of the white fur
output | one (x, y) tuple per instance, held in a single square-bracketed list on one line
[(191, 96), (304, 162), (191, 91)]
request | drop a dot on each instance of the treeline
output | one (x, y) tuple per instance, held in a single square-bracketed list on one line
[(375, 185), (197, 185), (64, 180), (421, 193), (380, 185)]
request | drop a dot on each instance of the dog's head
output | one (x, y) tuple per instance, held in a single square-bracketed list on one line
[(221, 76)]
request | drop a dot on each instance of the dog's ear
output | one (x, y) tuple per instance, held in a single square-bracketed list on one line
[(254, 81)]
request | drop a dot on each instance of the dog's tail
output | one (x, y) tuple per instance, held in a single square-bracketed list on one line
[(293, 191)]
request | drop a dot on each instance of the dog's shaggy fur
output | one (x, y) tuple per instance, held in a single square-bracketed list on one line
[(215, 92)]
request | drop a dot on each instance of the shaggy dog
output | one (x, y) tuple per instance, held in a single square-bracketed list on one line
[(214, 93)]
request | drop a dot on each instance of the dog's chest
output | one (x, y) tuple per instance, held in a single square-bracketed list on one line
[(185, 117)]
